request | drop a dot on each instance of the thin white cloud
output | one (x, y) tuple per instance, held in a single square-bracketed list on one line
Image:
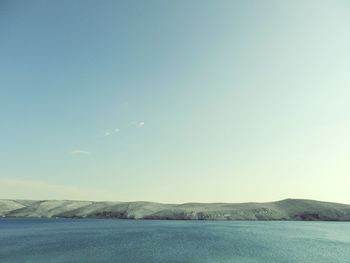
[(137, 123), (109, 133), (80, 152)]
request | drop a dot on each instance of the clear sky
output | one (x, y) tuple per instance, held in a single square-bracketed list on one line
[(175, 101)]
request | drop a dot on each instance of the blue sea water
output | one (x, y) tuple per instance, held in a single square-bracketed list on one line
[(141, 241)]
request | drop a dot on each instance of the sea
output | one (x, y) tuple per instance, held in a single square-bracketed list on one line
[(152, 241)]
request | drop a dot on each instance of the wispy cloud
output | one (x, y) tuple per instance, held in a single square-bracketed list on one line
[(80, 152), (137, 123), (109, 133)]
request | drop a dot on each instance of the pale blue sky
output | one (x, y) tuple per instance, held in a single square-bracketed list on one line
[(175, 101)]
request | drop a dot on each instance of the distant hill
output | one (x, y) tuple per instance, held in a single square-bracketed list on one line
[(289, 209)]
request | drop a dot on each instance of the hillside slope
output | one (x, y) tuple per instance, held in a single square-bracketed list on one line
[(289, 209)]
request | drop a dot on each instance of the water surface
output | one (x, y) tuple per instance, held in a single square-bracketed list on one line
[(141, 241)]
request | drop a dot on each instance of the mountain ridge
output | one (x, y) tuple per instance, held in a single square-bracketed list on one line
[(286, 209)]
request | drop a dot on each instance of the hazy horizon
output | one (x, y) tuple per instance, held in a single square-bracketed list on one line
[(172, 203), (176, 101)]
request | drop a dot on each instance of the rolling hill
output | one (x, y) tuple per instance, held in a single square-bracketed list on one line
[(288, 209)]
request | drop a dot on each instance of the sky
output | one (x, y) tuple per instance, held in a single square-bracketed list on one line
[(175, 101)]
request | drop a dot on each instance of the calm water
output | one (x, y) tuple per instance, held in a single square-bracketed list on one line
[(27, 240)]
